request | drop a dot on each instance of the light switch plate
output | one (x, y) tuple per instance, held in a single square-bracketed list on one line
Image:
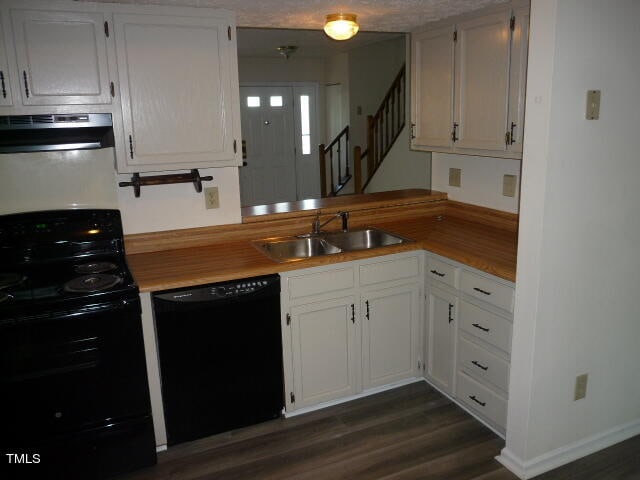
[(211, 198), (581, 386), (593, 104), (455, 175), (509, 185)]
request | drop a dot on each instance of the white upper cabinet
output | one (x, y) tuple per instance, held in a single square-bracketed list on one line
[(468, 84), (5, 83), (518, 78), (61, 57), (433, 87), (179, 91), (482, 82)]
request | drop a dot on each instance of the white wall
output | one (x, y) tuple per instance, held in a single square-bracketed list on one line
[(481, 179), (169, 207), (578, 264), (337, 94), (272, 69)]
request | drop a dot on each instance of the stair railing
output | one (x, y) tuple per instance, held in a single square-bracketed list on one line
[(336, 156)]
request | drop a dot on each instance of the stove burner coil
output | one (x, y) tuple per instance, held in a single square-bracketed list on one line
[(95, 267), (11, 279), (91, 283)]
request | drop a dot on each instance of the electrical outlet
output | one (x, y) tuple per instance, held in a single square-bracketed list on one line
[(455, 175), (509, 185), (211, 198), (581, 386)]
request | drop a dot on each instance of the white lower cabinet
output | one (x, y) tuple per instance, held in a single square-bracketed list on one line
[(390, 332), (364, 334), (325, 351), (468, 337), (442, 308)]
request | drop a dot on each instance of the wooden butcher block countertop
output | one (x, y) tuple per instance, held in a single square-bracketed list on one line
[(481, 238)]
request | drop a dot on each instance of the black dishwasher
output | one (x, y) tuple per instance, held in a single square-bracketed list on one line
[(220, 352)]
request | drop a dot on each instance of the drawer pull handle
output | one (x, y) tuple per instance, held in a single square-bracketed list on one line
[(473, 397), (26, 83), (353, 313), (450, 309), (435, 272), (479, 365), (367, 304), (481, 291), (480, 327)]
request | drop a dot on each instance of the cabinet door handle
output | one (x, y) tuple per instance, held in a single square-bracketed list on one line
[(454, 133), (512, 138), (450, 310), (26, 83), (4, 88), (473, 397), (367, 304), (353, 313), (479, 365), (131, 146), (479, 327), (435, 272), (481, 291)]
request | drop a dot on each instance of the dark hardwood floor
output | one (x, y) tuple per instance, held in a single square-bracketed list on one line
[(412, 432)]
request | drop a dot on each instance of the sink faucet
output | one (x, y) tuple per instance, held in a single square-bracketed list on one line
[(317, 226)]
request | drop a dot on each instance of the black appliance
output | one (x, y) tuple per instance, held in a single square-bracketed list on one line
[(73, 381), (220, 350), (42, 133)]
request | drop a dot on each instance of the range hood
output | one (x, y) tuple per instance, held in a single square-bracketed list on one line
[(44, 133)]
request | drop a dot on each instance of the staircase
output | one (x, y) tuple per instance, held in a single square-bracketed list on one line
[(383, 128)]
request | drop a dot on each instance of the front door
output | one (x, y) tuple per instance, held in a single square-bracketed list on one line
[(269, 175)]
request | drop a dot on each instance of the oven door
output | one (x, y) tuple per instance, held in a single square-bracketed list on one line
[(71, 371)]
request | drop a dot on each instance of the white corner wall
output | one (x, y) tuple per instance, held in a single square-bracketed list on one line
[(481, 179), (578, 265), (170, 207)]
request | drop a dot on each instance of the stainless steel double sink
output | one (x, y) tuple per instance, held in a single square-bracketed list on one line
[(288, 249)]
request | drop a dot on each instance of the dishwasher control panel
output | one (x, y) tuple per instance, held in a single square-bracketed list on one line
[(217, 291)]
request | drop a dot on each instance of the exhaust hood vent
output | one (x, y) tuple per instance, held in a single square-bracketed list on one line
[(41, 133)]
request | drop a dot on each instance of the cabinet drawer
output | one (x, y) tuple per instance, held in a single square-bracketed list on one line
[(482, 400), (442, 271), (480, 363), (487, 290), (485, 325), (322, 282), (388, 270)]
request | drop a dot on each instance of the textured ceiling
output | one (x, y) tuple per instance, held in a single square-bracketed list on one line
[(373, 15)]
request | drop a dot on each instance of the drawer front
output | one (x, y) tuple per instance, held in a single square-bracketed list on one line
[(443, 272), (481, 364), (388, 270), (322, 282), (487, 290), (482, 400), (485, 325)]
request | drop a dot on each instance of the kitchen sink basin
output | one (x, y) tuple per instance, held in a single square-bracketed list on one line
[(282, 250), (363, 239), (288, 249)]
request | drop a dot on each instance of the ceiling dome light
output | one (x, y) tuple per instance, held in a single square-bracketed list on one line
[(341, 26)]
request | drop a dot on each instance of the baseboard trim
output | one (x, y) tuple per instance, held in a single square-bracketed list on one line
[(568, 453), (161, 448), (366, 393)]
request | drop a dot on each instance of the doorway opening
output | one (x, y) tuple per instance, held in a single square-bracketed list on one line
[(279, 131)]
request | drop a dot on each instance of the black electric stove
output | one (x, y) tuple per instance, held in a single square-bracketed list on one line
[(73, 381)]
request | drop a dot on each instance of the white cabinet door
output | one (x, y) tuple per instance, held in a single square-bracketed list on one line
[(482, 82), (442, 311), (390, 328), (432, 54), (62, 57), (326, 351), (5, 82), (518, 78), (179, 91)]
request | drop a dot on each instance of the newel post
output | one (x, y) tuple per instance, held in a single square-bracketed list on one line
[(323, 171)]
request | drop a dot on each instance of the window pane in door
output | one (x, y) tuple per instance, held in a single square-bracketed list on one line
[(305, 128), (275, 101), (253, 101)]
